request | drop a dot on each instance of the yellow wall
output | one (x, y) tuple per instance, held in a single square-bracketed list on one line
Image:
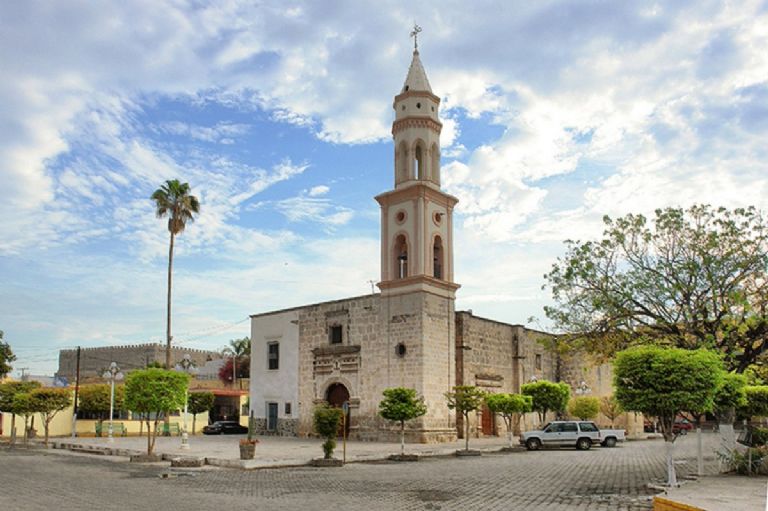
[(61, 425)]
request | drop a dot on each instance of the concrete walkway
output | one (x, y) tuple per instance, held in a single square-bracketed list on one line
[(722, 493), (271, 451)]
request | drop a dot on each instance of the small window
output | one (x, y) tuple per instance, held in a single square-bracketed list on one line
[(336, 334), (538, 362), (418, 105), (588, 426), (287, 408), (400, 350), (273, 355)]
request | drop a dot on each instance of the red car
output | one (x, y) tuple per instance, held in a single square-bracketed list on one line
[(682, 427)]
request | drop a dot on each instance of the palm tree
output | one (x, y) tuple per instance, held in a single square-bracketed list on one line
[(174, 201)]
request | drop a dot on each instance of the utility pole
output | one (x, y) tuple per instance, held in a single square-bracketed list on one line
[(77, 390)]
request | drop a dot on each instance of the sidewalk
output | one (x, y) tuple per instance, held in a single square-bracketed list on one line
[(271, 451), (720, 493)]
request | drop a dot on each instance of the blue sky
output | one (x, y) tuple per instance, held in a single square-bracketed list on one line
[(278, 114)]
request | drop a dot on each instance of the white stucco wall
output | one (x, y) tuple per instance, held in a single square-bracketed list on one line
[(281, 385)]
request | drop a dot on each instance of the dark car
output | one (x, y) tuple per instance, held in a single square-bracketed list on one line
[(224, 427)]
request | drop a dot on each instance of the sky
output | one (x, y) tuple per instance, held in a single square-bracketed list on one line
[(278, 114)]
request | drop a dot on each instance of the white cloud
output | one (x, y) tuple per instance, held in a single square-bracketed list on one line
[(310, 207), (319, 190)]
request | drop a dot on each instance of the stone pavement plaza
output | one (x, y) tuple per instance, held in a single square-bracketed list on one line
[(599, 479)]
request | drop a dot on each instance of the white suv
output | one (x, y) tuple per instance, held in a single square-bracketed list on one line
[(579, 434)]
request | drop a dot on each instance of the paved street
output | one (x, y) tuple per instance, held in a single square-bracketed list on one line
[(599, 479)]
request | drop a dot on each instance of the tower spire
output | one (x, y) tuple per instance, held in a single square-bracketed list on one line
[(415, 35)]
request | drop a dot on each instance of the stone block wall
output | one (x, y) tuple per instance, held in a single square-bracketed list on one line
[(94, 361), (498, 357), (322, 364)]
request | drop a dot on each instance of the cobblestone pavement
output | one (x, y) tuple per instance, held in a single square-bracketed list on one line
[(598, 479)]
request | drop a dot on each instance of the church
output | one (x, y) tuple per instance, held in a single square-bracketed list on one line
[(409, 334)]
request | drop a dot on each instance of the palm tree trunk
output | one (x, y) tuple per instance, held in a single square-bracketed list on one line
[(168, 319)]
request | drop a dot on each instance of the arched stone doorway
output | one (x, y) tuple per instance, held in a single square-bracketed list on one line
[(336, 395)]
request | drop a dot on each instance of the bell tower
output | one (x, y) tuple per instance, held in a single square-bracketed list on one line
[(417, 287), (417, 216)]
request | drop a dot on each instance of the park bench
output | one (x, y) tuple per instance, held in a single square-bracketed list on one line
[(171, 429), (118, 429)]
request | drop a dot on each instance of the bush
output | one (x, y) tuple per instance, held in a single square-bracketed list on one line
[(326, 423), (749, 462), (759, 437), (584, 408)]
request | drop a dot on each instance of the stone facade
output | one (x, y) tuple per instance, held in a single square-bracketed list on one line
[(94, 361), (350, 350)]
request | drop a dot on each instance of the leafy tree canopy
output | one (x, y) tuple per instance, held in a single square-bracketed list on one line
[(693, 278), (401, 404), (10, 389), (507, 405), (48, 402), (155, 391), (547, 396), (6, 357), (757, 401), (95, 398), (584, 407), (731, 394), (465, 399), (665, 382), (240, 347), (200, 402)]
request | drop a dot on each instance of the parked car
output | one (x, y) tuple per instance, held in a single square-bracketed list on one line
[(682, 427), (579, 434), (225, 428)]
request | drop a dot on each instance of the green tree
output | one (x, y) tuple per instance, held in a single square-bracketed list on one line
[(199, 402), (465, 399), (95, 399), (757, 401), (401, 405), (24, 406), (665, 382), (6, 357), (547, 397), (48, 402), (173, 200), (584, 407), (326, 421), (8, 392), (731, 396), (510, 407), (240, 347), (154, 393), (695, 278), (611, 408)]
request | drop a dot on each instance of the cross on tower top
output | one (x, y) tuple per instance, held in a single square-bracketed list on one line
[(415, 35)]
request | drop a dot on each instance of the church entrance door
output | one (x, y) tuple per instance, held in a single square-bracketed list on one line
[(336, 396), (488, 423)]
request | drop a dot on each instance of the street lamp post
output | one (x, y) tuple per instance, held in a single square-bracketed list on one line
[(583, 389), (188, 367), (112, 374)]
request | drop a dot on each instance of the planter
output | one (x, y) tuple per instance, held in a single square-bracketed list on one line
[(248, 449), (326, 462), (470, 452), (403, 457)]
